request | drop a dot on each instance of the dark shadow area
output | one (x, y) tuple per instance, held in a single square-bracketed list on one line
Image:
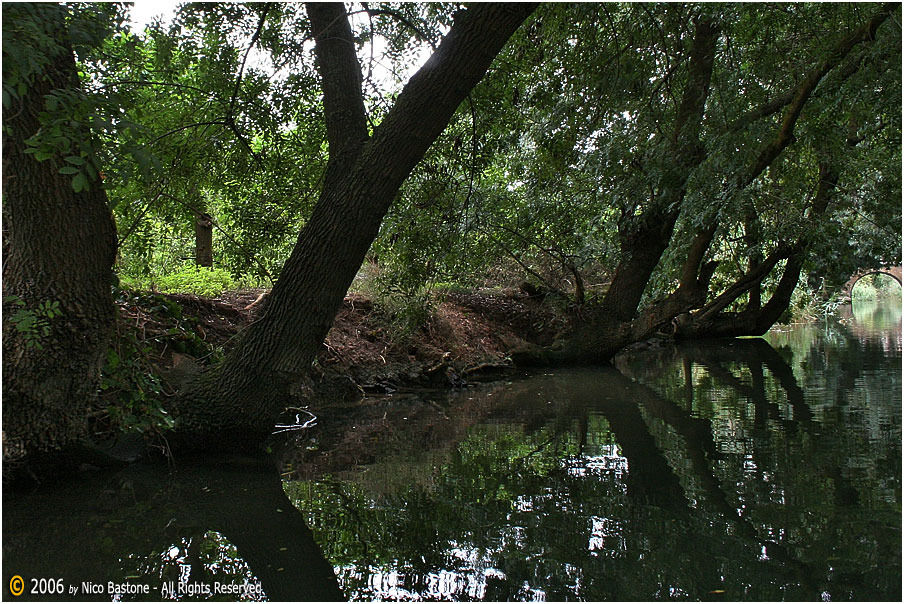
[(219, 529)]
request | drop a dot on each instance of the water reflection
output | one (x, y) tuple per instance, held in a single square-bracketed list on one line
[(754, 469), (209, 529), (874, 323), (874, 315), (741, 470)]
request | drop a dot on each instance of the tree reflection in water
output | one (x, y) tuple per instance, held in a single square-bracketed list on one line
[(734, 471), (206, 523)]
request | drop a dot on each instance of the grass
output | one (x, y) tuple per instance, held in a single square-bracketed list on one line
[(189, 279)]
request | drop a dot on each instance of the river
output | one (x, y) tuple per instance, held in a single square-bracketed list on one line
[(750, 469)]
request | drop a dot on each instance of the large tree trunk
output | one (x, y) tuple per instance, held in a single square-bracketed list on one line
[(58, 247), (239, 401), (641, 250)]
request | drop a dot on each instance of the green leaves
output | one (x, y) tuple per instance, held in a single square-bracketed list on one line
[(33, 325), (80, 182), (75, 160)]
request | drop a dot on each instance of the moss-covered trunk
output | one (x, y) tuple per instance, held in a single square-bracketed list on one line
[(58, 250)]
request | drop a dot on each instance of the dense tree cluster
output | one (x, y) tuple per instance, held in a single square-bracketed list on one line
[(678, 167)]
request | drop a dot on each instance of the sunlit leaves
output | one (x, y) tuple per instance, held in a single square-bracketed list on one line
[(566, 144)]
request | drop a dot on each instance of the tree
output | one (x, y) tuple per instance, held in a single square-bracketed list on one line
[(59, 241), (827, 142), (222, 137), (238, 401), (242, 397), (699, 191)]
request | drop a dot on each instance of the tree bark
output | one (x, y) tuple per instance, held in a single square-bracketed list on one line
[(59, 247), (203, 240), (239, 401), (785, 134)]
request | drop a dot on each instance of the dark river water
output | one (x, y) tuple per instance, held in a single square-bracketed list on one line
[(751, 469)]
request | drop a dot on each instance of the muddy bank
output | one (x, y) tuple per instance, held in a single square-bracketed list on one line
[(467, 337)]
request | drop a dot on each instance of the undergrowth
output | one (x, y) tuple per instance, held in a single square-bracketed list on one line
[(190, 279), (133, 387)]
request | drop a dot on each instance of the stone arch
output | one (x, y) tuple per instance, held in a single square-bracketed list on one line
[(891, 271)]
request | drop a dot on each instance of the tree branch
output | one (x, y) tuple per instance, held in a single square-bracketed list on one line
[(752, 277), (340, 72), (398, 17), (254, 38), (517, 259), (428, 101), (697, 251), (785, 134), (188, 127)]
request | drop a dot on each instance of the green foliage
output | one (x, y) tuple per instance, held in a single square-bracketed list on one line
[(409, 311), (808, 304), (33, 325), (876, 287), (232, 138), (405, 303), (131, 382), (192, 279), (198, 280), (135, 388), (573, 149), (82, 129)]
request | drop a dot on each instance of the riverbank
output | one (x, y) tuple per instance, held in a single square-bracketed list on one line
[(465, 337)]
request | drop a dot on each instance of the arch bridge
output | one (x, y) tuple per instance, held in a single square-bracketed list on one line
[(892, 271)]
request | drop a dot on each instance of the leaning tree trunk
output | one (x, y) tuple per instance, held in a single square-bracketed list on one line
[(644, 239), (239, 401), (754, 321), (713, 321), (58, 249)]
